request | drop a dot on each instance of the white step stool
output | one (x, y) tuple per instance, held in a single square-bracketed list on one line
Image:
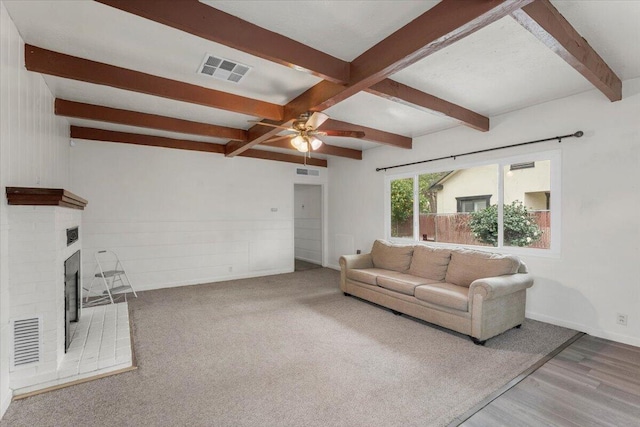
[(105, 259)]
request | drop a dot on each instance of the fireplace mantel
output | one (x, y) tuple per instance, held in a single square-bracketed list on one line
[(44, 197)]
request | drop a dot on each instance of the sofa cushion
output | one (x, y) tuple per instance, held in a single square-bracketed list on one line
[(366, 275), (468, 265), (400, 282), (430, 262), (445, 294), (391, 257)]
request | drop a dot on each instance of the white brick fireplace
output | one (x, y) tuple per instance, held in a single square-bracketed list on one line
[(38, 250), (41, 233)]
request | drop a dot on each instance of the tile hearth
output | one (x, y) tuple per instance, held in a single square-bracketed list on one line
[(101, 344)]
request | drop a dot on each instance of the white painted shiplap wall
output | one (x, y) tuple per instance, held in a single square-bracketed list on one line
[(34, 152), (308, 223), (182, 217)]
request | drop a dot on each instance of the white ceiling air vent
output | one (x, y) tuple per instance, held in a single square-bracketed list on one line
[(223, 69), (27, 341), (310, 172)]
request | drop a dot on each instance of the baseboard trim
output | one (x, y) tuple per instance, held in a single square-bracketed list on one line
[(333, 267), (203, 281), (596, 332), (4, 405)]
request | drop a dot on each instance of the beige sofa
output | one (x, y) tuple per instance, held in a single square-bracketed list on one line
[(476, 293)]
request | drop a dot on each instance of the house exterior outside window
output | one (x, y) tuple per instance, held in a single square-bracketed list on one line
[(515, 189), (472, 203)]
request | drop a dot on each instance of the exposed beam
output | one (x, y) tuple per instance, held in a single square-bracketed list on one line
[(407, 95), (208, 23), (71, 67), (544, 21), (330, 150), (93, 134), (283, 157), (100, 113), (439, 27), (370, 134)]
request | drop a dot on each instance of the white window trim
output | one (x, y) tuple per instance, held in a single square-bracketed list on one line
[(554, 156)]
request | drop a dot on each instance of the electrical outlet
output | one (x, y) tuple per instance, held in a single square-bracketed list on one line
[(621, 319), (358, 252)]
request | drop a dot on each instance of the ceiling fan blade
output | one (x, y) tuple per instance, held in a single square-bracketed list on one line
[(316, 120), (344, 133), (272, 125), (278, 138)]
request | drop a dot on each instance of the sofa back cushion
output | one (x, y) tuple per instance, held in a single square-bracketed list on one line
[(430, 262), (391, 257), (468, 265)]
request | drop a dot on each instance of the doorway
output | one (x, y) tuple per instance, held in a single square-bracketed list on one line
[(308, 233)]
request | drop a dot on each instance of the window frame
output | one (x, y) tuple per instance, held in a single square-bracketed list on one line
[(554, 156), (459, 200)]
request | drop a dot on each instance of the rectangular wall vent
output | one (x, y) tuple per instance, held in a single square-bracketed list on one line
[(223, 69), (309, 172), (27, 341)]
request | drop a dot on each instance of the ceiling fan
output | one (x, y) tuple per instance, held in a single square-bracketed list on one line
[(305, 133)]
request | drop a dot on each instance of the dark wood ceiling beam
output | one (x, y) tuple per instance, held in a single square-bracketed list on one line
[(406, 95), (100, 113), (544, 21), (439, 27), (71, 67), (211, 24), (370, 134), (329, 150), (92, 134), (283, 157)]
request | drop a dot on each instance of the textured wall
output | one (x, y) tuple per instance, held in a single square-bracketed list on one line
[(34, 152), (182, 217)]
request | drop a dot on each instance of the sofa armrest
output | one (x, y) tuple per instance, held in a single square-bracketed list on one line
[(496, 287), (356, 261)]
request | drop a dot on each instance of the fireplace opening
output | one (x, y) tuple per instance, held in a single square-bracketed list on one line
[(71, 295)]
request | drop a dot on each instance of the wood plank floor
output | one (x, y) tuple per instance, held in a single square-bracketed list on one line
[(593, 382)]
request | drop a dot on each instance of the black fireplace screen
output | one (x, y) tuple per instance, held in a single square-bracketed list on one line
[(71, 294)]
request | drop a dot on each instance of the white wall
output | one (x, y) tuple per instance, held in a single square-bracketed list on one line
[(308, 223), (182, 217), (597, 273), (33, 152)]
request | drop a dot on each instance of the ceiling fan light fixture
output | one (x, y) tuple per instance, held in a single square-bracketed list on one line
[(315, 143), (298, 142)]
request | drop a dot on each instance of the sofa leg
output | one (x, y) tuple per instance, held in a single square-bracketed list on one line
[(519, 326), (476, 341), (346, 294), (397, 313)]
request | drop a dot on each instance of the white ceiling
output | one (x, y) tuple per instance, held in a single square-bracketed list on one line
[(495, 70)]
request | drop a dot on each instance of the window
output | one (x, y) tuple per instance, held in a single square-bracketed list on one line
[(504, 204), (402, 207), (473, 203)]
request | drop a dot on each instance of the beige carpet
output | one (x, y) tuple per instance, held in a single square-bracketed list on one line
[(288, 350)]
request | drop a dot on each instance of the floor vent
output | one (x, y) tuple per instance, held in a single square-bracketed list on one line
[(223, 69), (309, 172), (27, 341)]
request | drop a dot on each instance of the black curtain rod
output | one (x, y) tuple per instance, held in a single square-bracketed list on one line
[(578, 134)]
